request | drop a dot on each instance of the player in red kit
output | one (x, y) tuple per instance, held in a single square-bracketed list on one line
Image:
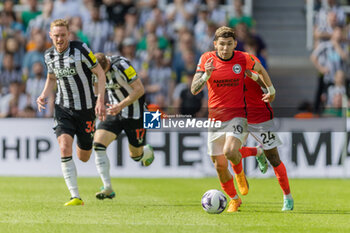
[(261, 127), (223, 71)]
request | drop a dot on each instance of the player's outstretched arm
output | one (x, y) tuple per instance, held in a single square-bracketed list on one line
[(49, 85), (100, 108), (200, 78), (270, 96), (137, 91)]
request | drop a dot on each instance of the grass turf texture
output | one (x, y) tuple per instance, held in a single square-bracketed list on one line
[(171, 205)]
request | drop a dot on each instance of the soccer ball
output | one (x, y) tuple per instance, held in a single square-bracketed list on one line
[(214, 201)]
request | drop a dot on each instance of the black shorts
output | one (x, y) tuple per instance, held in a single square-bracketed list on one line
[(76, 122), (133, 128)]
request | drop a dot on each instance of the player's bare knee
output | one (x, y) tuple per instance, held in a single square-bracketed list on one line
[(233, 156), (236, 159), (229, 156), (229, 153)]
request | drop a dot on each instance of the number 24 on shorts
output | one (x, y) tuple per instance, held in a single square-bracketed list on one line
[(267, 137)]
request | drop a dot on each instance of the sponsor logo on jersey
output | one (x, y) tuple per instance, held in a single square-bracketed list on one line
[(237, 68), (64, 72), (226, 82)]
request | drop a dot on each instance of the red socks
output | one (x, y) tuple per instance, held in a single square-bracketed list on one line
[(245, 152), (281, 174), (248, 151), (229, 188), (237, 168)]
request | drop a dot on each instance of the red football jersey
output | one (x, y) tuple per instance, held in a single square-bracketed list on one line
[(226, 85), (257, 110)]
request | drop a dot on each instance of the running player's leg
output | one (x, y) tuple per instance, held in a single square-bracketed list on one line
[(282, 177), (69, 170), (231, 149), (270, 141), (226, 181), (64, 130), (102, 139), (231, 152), (216, 141), (107, 131), (238, 168), (234, 141), (139, 150), (84, 133)]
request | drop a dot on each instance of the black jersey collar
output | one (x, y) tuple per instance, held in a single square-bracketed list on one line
[(225, 59)]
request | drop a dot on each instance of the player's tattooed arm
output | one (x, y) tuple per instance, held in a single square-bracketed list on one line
[(200, 78), (198, 83)]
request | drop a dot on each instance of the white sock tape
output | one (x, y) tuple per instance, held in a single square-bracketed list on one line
[(271, 89), (254, 76), (205, 77)]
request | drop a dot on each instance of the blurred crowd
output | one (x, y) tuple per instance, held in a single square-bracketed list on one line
[(163, 39), (331, 58), (163, 44)]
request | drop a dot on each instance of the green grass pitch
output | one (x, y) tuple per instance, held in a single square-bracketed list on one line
[(171, 205)]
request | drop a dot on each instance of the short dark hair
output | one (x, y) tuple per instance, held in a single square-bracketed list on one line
[(225, 32)]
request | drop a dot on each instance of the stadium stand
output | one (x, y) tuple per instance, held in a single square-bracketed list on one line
[(181, 30)]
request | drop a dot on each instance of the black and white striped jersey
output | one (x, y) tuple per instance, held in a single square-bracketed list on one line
[(72, 69), (118, 79)]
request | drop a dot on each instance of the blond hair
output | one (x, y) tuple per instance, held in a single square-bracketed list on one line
[(59, 23), (102, 60), (225, 32)]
